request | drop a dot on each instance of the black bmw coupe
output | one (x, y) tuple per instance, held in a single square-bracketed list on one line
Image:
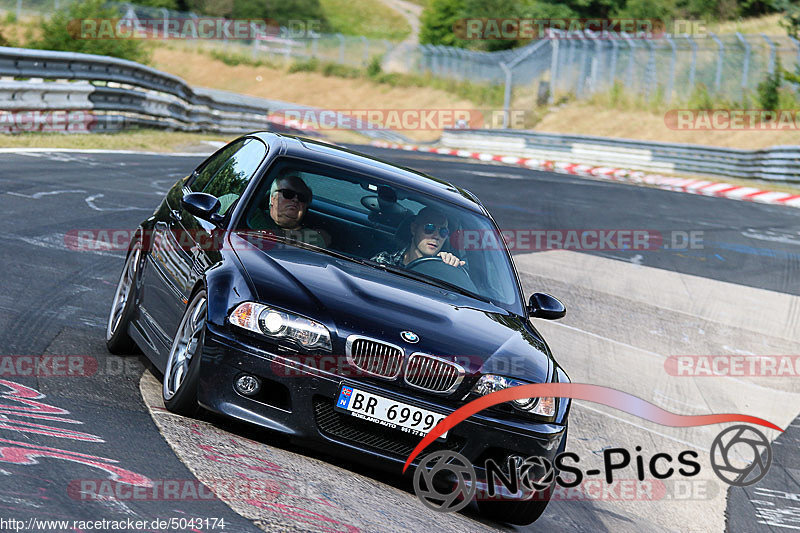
[(344, 301)]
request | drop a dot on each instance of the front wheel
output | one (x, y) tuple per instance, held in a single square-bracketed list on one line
[(122, 307), (516, 512), (183, 365)]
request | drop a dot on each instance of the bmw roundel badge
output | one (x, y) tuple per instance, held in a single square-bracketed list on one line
[(409, 336)]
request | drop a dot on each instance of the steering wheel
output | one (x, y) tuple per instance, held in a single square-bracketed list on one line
[(435, 267)]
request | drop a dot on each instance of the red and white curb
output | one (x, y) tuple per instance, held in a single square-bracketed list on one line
[(689, 185)]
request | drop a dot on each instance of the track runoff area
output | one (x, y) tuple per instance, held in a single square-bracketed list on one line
[(702, 318)]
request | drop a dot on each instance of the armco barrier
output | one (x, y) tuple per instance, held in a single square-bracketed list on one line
[(779, 163), (671, 183), (123, 94)]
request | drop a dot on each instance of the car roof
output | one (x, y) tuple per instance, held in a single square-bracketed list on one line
[(314, 150)]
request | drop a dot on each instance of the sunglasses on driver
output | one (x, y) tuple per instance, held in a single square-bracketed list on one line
[(430, 228), (289, 194)]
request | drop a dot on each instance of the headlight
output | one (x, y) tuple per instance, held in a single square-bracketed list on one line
[(281, 325), (489, 383)]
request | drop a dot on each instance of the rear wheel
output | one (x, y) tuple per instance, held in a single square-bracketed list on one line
[(122, 307), (180, 377)]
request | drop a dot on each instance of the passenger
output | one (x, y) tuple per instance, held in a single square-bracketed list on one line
[(428, 234), (289, 197), (287, 206)]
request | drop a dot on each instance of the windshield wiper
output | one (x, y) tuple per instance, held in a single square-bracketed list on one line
[(428, 279)]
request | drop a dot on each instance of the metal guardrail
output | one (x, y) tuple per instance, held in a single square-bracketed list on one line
[(778, 163), (123, 94)]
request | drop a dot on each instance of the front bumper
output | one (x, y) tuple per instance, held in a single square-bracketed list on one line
[(299, 402)]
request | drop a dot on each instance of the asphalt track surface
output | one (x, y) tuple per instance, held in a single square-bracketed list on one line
[(54, 301)]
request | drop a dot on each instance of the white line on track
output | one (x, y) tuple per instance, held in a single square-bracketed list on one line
[(90, 202), (54, 242), (648, 352), (659, 394), (648, 430), (625, 344), (496, 174), (38, 195)]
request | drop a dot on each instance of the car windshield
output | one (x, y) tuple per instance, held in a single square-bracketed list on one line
[(401, 231)]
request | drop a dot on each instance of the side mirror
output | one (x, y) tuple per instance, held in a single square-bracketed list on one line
[(544, 306), (203, 206)]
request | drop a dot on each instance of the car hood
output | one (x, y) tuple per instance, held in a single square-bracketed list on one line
[(354, 299)]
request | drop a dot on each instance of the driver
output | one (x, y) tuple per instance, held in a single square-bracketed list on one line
[(428, 233)]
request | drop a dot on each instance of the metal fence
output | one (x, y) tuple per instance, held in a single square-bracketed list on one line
[(779, 163), (350, 50), (116, 94), (669, 68)]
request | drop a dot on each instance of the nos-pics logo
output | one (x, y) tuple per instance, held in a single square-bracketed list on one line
[(446, 481)]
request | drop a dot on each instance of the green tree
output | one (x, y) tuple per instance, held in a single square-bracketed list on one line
[(76, 29), (522, 9), (768, 90), (280, 11), (438, 21), (663, 10), (169, 4), (754, 8), (791, 17)]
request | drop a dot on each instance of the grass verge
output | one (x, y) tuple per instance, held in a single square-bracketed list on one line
[(478, 93), (369, 18), (144, 140)]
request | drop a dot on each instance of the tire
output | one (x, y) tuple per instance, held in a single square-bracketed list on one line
[(179, 390), (515, 512), (123, 305), (521, 513)]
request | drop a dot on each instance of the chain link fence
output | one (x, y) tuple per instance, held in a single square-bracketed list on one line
[(668, 69)]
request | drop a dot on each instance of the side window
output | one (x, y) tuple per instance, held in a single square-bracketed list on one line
[(231, 180), (212, 165)]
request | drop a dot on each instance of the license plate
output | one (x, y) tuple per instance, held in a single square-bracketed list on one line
[(386, 412)]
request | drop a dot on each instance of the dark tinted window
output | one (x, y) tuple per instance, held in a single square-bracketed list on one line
[(370, 221), (213, 164), (231, 180)]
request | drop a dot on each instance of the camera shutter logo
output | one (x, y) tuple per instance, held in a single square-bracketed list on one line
[(729, 455), (459, 495), (529, 474)]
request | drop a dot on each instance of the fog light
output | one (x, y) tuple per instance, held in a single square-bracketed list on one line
[(247, 384)]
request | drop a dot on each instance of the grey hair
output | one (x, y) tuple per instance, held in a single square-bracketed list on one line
[(292, 180)]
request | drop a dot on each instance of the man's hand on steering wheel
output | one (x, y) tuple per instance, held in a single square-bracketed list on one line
[(451, 260)]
